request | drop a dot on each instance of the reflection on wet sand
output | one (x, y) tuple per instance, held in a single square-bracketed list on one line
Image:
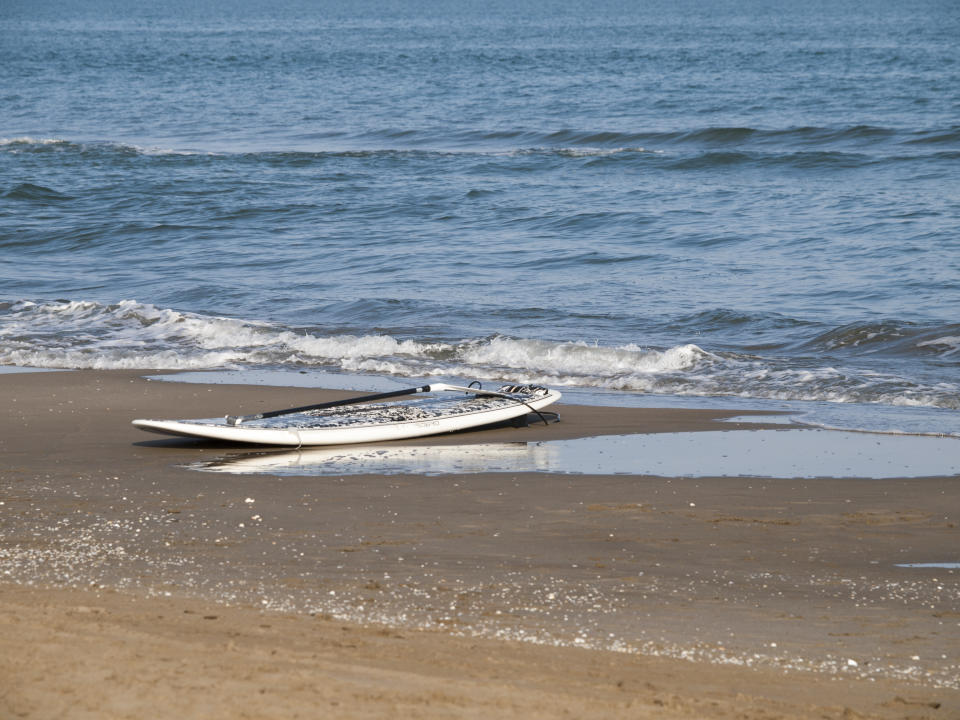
[(767, 453)]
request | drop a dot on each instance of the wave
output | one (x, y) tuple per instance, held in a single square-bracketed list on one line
[(97, 148), (27, 141), (666, 152), (572, 142), (33, 193), (132, 335), (889, 337), (947, 136), (711, 136), (93, 335), (707, 136), (85, 334)]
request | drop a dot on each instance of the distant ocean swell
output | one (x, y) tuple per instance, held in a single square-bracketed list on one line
[(826, 367)]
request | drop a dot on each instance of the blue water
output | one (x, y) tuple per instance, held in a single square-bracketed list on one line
[(728, 199)]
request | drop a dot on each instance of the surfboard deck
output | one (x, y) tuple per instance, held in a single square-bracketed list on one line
[(368, 422)]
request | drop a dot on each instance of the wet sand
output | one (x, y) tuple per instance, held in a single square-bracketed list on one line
[(131, 583)]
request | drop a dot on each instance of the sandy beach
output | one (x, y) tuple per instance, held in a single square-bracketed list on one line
[(134, 586)]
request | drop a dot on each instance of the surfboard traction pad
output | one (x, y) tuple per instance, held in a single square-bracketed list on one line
[(409, 410)]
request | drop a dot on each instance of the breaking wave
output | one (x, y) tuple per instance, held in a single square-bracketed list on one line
[(133, 335)]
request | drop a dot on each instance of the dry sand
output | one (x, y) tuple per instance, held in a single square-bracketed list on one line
[(133, 587)]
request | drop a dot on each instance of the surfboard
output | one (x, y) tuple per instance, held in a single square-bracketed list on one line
[(364, 419)]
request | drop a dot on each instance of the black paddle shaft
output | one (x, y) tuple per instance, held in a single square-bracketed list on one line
[(237, 419)]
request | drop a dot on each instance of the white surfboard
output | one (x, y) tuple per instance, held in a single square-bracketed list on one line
[(361, 420)]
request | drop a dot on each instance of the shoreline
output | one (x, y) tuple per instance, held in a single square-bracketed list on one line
[(698, 570)]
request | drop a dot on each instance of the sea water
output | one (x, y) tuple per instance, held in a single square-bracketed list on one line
[(729, 200)]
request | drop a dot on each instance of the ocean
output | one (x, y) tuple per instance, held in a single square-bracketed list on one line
[(749, 203)]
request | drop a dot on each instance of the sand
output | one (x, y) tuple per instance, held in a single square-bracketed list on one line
[(132, 586)]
